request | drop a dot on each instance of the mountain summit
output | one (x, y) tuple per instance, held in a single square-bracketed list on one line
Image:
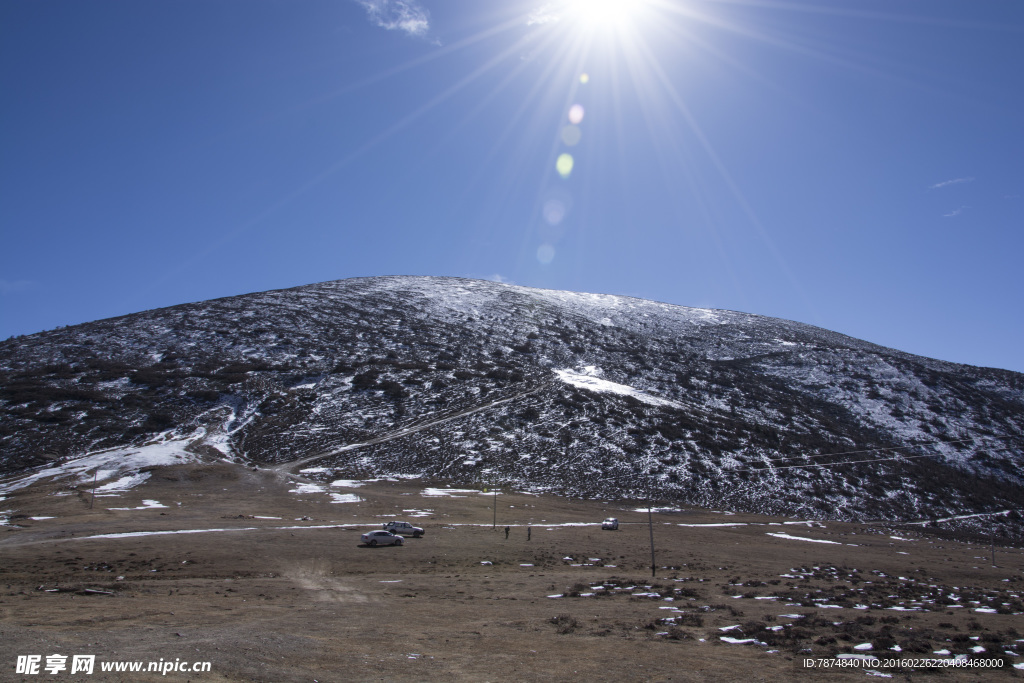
[(490, 383)]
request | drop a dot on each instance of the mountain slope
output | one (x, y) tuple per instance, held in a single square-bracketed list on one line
[(475, 381)]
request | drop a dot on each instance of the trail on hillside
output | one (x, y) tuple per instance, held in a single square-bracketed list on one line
[(290, 467)]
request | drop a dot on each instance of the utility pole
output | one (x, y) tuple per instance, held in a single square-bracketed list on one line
[(992, 539), (93, 499), (494, 522), (650, 528), (650, 517)]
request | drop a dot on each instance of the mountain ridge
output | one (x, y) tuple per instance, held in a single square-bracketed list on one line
[(278, 376)]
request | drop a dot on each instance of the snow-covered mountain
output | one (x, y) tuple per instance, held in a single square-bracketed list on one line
[(475, 381)]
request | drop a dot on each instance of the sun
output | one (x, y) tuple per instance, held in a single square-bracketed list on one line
[(603, 14)]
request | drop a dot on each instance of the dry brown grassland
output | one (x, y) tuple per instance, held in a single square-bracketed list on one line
[(275, 587)]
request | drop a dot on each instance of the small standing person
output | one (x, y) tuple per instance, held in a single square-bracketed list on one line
[(529, 531), (506, 533)]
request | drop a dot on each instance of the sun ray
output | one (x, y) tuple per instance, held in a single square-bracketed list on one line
[(678, 102)]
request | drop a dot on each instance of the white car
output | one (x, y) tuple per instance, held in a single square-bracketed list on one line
[(404, 528), (375, 538), (610, 524)]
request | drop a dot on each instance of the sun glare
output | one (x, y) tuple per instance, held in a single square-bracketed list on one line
[(603, 13)]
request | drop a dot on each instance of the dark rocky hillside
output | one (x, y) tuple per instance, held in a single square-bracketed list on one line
[(590, 395)]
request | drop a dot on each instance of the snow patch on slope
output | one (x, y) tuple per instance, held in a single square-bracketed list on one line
[(589, 381), (117, 467)]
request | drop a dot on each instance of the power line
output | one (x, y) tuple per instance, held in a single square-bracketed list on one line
[(853, 462), (838, 464), (869, 450)]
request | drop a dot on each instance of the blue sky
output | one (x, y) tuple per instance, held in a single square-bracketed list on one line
[(852, 164)]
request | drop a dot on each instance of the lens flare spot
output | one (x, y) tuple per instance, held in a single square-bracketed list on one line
[(545, 254), (564, 165), (571, 135), (584, 78), (554, 211), (575, 114)]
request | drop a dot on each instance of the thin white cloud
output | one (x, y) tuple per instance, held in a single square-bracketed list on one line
[(398, 15), (497, 277), (954, 212), (545, 14), (947, 183)]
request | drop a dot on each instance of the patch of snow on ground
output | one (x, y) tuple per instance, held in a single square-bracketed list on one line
[(307, 488), (103, 465), (950, 519), (135, 534), (801, 538), (123, 484), (452, 493), (146, 505), (345, 498), (587, 380)]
